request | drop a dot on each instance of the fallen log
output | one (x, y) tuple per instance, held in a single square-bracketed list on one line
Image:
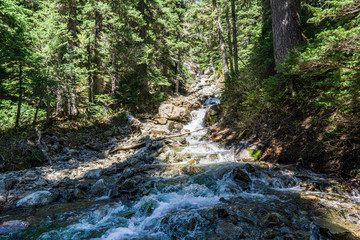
[(128, 147), (137, 145)]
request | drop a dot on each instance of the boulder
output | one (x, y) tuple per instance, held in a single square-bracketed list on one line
[(160, 130), (212, 115), (15, 225), (99, 188), (228, 230), (171, 112), (93, 174), (161, 121), (241, 177), (39, 198)]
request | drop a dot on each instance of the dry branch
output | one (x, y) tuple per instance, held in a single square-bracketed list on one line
[(156, 139)]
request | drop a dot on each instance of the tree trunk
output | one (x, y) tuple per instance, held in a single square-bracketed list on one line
[(90, 77), (286, 27), (229, 35), (20, 96), (222, 41), (233, 16), (141, 69), (98, 81), (37, 105), (178, 66), (48, 109), (115, 73), (72, 108), (178, 72)]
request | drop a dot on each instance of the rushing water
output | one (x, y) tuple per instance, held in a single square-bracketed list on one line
[(214, 198)]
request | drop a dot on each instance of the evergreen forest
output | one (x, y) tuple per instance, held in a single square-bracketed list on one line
[(93, 75)]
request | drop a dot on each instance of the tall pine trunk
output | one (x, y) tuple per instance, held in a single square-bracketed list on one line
[(20, 95), (115, 72), (97, 80), (228, 26), (72, 98), (234, 30), (222, 41), (178, 72), (286, 27)]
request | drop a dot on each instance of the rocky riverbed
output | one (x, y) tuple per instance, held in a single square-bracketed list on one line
[(186, 187)]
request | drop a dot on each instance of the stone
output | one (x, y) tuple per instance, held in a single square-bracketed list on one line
[(30, 176), (39, 198), (99, 188), (41, 182), (171, 112), (160, 130), (192, 170), (15, 225), (271, 220), (104, 154), (10, 183), (228, 231), (212, 115), (161, 121), (240, 175), (93, 174)]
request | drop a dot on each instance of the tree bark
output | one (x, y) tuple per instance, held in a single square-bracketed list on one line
[(97, 80), (234, 30), (37, 106), (20, 96), (229, 35), (286, 27), (72, 108), (115, 73), (222, 41)]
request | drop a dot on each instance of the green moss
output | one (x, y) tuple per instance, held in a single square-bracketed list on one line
[(255, 153)]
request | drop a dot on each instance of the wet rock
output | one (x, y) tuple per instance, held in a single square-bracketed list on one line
[(329, 228), (93, 174), (270, 220), (39, 198), (148, 208), (212, 115), (2, 199), (30, 176), (269, 234), (10, 183), (15, 225), (41, 182), (129, 185), (240, 176), (222, 213), (228, 230), (99, 188), (192, 170)]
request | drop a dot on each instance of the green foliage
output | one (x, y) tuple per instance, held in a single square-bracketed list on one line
[(255, 153), (78, 55), (8, 114)]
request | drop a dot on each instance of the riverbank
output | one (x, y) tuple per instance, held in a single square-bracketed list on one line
[(187, 186)]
